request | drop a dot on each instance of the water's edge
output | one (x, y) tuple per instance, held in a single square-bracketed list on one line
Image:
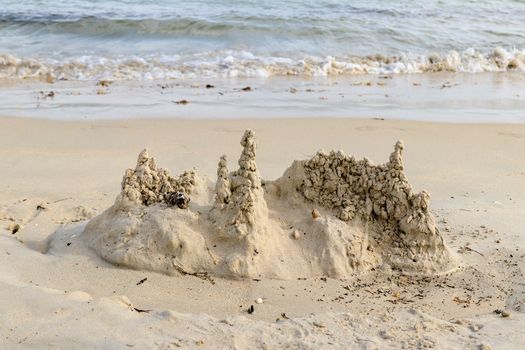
[(441, 97)]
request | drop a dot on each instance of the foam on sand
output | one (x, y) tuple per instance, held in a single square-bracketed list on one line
[(331, 215), (235, 64)]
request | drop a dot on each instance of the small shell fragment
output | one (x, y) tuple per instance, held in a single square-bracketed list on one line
[(259, 301), (315, 214), (296, 235), (505, 314)]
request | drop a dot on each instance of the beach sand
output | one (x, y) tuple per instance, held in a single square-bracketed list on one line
[(55, 292)]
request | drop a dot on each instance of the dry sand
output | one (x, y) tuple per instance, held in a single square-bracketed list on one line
[(56, 292)]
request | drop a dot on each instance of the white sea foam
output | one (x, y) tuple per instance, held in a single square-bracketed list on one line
[(229, 64)]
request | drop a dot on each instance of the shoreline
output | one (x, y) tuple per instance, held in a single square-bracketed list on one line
[(443, 97), (208, 119)]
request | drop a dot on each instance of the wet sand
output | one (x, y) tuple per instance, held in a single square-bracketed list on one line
[(438, 97)]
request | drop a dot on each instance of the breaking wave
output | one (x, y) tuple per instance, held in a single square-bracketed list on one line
[(231, 64)]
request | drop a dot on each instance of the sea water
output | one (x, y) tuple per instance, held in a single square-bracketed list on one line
[(173, 39)]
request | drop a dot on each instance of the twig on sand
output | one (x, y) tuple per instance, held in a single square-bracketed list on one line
[(141, 310), (473, 250), (63, 199), (202, 275)]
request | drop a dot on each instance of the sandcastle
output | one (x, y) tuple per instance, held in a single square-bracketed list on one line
[(366, 217)]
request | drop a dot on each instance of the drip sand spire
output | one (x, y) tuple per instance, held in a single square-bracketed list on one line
[(247, 191), (247, 165), (148, 185), (239, 195), (222, 186), (396, 157), (358, 188)]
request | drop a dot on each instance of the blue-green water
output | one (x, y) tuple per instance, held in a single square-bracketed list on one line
[(140, 39)]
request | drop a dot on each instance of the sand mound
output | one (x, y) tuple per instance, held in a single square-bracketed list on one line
[(329, 215)]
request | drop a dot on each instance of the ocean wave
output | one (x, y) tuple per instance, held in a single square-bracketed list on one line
[(231, 64), (111, 27), (172, 27)]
